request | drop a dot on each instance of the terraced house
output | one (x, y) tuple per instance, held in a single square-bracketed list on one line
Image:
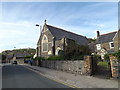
[(107, 43), (54, 39)]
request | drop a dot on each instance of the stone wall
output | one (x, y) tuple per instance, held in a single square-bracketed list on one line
[(117, 41), (114, 66), (68, 66), (90, 65)]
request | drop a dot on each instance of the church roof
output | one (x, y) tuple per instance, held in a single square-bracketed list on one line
[(59, 33), (106, 37)]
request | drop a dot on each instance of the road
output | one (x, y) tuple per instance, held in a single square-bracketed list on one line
[(17, 76)]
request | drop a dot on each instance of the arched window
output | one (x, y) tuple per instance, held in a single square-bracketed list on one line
[(44, 43)]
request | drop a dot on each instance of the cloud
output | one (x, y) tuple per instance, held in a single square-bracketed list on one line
[(18, 28), (18, 35)]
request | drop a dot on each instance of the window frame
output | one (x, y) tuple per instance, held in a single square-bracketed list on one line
[(43, 42), (98, 46), (111, 45)]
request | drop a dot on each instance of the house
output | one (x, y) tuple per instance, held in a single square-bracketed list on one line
[(9, 58), (20, 57), (107, 43), (116, 40), (54, 39)]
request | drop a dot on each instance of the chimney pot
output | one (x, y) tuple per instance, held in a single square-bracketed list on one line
[(98, 33)]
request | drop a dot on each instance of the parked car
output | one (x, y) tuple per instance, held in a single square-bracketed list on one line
[(26, 61), (14, 62)]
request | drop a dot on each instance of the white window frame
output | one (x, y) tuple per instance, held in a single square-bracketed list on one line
[(98, 46), (44, 42), (111, 45)]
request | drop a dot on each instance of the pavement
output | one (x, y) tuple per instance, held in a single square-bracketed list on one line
[(76, 81), (17, 76)]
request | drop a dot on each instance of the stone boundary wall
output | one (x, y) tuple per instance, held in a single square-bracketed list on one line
[(86, 66), (76, 66), (115, 66)]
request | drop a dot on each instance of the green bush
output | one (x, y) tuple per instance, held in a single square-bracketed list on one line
[(75, 51), (55, 58), (30, 56), (106, 57), (117, 54), (103, 64), (39, 58), (98, 57)]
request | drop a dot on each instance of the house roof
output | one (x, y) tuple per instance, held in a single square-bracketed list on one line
[(106, 37), (59, 33), (21, 54), (9, 56)]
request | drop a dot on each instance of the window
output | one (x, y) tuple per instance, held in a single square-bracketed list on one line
[(98, 46), (44, 38), (44, 43), (111, 45)]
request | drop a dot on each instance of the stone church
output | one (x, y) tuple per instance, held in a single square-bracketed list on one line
[(54, 39)]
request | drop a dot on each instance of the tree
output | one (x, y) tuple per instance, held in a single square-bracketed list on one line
[(3, 57), (75, 51), (117, 54), (106, 57)]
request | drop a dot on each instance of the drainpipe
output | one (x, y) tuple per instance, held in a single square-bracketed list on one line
[(53, 46), (64, 43)]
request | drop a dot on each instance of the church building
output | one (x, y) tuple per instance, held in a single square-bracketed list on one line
[(54, 39)]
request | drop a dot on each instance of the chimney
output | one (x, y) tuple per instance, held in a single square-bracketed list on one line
[(98, 33)]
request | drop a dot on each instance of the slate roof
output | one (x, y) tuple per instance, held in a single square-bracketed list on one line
[(106, 37), (9, 56), (21, 54), (59, 33)]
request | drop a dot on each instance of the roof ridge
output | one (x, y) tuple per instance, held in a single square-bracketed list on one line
[(108, 33), (66, 30)]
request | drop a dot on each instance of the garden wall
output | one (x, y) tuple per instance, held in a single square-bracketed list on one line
[(115, 66), (86, 66), (76, 66)]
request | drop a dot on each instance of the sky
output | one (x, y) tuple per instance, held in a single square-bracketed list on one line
[(18, 20)]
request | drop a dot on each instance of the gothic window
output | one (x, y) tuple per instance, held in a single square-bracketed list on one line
[(44, 43)]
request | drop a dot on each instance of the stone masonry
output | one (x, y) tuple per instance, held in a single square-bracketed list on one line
[(76, 66), (114, 66)]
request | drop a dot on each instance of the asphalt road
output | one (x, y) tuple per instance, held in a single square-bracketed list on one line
[(17, 76)]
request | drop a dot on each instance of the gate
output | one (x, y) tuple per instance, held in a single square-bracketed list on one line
[(103, 69)]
